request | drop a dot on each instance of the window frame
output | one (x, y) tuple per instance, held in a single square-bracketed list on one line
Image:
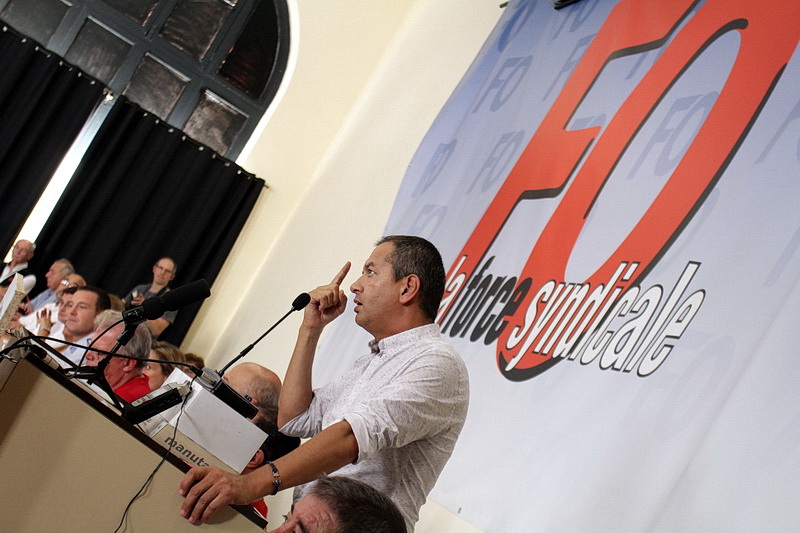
[(202, 74)]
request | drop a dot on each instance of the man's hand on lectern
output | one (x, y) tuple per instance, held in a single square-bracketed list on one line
[(208, 489)]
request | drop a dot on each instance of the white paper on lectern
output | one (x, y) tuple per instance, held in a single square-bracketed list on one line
[(212, 424)]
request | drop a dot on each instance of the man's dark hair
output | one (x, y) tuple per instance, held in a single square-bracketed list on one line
[(415, 255), (103, 300), (358, 508)]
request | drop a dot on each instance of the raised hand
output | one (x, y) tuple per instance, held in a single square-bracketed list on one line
[(327, 301)]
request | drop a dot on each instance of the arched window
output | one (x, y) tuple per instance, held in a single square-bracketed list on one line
[(207, 67)]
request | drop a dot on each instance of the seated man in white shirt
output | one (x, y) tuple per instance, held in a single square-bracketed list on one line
[(20, 255), (49, 320), (59, 270), (86, 304)]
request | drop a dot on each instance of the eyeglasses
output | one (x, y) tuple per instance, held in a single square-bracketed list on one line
[(67, 284)]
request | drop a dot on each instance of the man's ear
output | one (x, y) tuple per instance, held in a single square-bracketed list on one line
[(410, 288), (257, 460)]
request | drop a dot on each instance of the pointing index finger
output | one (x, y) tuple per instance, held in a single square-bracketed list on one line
[(339, 277)]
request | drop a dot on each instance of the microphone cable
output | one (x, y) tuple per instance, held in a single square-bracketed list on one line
[(160, 463)]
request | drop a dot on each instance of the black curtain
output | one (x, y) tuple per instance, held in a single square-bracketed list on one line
[(43, 106), (143, 191)]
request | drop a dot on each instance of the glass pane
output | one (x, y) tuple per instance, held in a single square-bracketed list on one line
[(251, 61), (138, 10), (156, 87), (38, 19), (98, 51), (192, 26), (214, 123)]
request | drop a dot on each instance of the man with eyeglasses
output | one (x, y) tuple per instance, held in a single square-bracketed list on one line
[(163, 272)]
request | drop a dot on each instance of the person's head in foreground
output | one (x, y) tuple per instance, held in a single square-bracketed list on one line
[(157, 373), (336, 504)]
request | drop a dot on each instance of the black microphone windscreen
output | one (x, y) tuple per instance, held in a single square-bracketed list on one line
[(183, 296), (301, 301), (152, 308)]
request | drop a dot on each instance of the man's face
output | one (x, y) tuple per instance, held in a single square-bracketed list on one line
[(71, 280), (22, 252), (163, 271), (154, 371), (83, 309), (54, 275), (377, 292), (117, 371), (309, 515), (64, 308)]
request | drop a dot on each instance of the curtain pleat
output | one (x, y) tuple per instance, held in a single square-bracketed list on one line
[(44, 103), (144, 191)]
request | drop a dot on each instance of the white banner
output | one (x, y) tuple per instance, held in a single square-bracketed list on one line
[(614, 187)]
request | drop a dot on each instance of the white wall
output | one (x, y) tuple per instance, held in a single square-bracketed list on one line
[(367, 80)]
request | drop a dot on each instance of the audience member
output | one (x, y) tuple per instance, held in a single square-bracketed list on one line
[(49, 321), (59, 270), (20, 255), (262, 386), (338, 504), (157, 373), (81, 310), (116, 302), (194, 359), (124, 376), (47, 316), (163, 272), (403, 402)]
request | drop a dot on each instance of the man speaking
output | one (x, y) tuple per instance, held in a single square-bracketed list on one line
[(392, 420)]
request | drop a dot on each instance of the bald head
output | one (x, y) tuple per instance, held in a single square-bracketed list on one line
[(245, 377), (260, 383), (22, 252)]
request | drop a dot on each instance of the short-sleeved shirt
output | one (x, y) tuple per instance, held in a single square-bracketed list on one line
[(406, 403), (144, 290)]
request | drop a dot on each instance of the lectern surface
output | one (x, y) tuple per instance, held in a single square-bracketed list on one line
[(69, 463)]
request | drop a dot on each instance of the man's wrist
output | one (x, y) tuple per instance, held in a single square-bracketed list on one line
[(276, 478)]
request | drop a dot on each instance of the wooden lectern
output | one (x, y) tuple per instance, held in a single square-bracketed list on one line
[(69, 462)]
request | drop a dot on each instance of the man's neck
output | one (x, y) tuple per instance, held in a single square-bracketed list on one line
[(73, 337), (155, 288), (406, 326), (124, 378)]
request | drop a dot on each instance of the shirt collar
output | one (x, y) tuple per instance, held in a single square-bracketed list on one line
[(400, 340)]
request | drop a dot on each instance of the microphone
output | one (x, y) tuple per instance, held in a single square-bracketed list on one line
[(172, 300), (300, 302), (156, 402), (212, 380)]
